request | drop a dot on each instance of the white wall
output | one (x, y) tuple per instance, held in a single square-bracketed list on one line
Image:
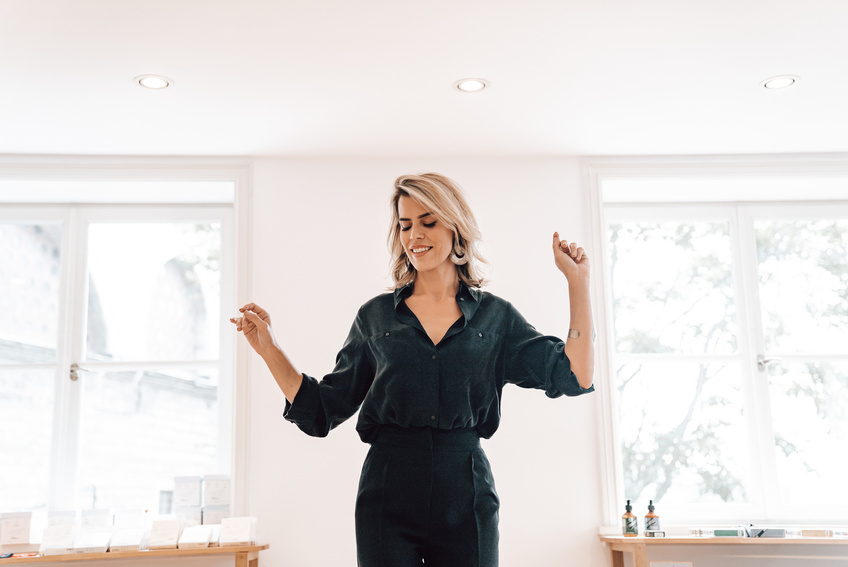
[(319, 251)]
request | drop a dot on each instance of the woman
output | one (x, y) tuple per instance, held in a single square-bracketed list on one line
[(426, 365)]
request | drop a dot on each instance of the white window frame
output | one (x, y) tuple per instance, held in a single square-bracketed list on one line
[(757, 173), (236, 237)]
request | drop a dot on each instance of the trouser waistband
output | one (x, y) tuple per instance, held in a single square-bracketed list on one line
[(428, 438)]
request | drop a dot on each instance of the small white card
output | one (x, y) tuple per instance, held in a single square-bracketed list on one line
[(126, 539), (93, 540), (195, 537), (164, 534), (237, 531), (57, 540), (15, 528)]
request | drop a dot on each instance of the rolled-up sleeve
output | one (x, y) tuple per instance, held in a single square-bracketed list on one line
[(320, 406), (534, 360)]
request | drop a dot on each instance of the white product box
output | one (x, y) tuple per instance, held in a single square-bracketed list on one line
[(187, 491), (96, 518), (15, 528), (216, 490), (62, 518), (214, 514)]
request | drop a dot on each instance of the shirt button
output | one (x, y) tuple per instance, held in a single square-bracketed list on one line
[(462, 299), (432, 417), (434, 357), (478, 334), (388, 333)]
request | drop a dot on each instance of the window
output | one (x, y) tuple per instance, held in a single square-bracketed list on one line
[(115, 366), (726, 325)]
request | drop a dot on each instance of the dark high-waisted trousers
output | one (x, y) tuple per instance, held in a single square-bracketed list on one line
[(426, 495)]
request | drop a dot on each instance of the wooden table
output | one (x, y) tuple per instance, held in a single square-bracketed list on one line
[(637, 547), (245, 556)]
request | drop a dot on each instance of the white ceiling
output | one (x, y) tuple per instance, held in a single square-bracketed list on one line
[(374, 77)]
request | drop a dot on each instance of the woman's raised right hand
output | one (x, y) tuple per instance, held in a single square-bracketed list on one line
[(255, 324)]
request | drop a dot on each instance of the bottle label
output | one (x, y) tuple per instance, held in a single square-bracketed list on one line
[(630, 526), (652, 524)]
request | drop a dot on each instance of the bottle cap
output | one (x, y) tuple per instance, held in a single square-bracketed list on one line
[(628, 507), (650, 505)]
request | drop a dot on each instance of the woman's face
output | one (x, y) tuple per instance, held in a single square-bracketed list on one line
[(427, 241)]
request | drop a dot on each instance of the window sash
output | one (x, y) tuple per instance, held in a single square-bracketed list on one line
[(751, 345), (74, 220)]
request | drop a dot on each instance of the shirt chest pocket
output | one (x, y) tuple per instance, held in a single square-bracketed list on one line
[(470, 361)]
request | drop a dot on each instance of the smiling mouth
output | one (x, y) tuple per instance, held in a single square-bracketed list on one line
[(420, 249)]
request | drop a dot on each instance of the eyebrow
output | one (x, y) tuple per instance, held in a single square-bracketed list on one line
[(419, 216)]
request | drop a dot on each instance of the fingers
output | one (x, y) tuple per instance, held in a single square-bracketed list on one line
[(576, 252), (253, 307)]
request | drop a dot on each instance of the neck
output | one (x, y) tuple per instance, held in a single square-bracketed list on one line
[(438, 283)]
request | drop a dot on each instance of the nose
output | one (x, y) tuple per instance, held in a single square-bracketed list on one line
[(416, 233)]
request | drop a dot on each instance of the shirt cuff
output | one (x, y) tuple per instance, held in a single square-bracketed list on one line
[(302, 410)]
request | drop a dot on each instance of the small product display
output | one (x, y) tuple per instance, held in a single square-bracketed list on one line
[(729, 532), (195, 537), (629, 522), (127, 539), (57, 540), (93, 539), (237, 531), (652, 521), (164, 534), (756, 531)]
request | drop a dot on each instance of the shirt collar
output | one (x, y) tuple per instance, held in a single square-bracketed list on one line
[(464, 294)]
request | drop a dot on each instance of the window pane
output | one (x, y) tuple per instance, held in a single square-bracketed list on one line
[(803, 274), (29, 291), (154, 291), (682, 432), (810, 413), (140, 430), (26, 418), (672, 287)]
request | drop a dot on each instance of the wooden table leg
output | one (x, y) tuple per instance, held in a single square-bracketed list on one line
[(247, 559), (640, 555), (638, 551)]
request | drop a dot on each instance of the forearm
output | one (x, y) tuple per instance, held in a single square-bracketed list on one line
[(581, 350), (284, 373)]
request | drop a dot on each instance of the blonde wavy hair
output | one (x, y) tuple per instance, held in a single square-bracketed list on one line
[(444, 199)]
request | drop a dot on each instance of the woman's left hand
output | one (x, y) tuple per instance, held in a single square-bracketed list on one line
[(570, 259)]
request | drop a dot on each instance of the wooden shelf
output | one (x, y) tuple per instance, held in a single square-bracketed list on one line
[(245, 556), (637, 547)]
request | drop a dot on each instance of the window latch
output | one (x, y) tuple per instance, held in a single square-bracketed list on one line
[(75, 370), (763, 362)]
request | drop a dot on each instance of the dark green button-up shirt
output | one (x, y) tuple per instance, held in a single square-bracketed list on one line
[(390, 367)]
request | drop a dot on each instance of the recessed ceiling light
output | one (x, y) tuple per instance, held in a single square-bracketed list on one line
[(471, 85), (780, 82), (155, 82)]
